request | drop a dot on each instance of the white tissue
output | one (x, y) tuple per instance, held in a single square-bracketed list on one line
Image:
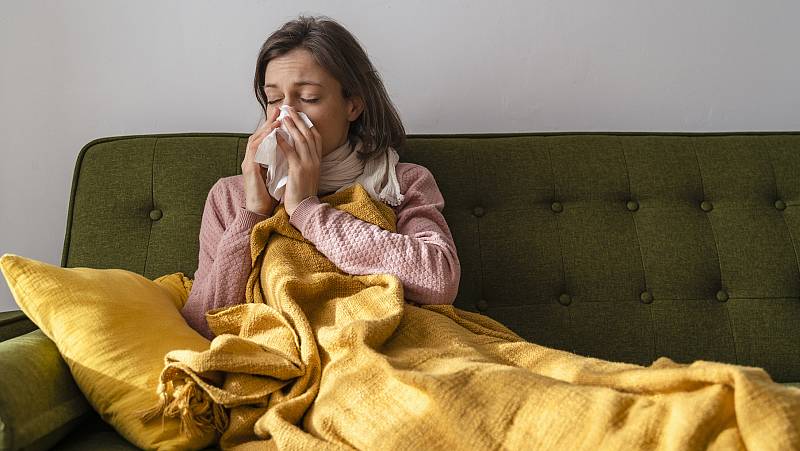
[(270, 157)]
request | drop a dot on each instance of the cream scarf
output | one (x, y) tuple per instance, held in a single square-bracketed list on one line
[(340, 169)]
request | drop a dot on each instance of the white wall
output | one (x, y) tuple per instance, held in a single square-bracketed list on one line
[(72, 71)]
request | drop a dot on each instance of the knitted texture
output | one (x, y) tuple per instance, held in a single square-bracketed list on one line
[(319, 359), (421, 253)]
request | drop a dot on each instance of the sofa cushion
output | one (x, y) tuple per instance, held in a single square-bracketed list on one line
[(113, 328), (39, 401)]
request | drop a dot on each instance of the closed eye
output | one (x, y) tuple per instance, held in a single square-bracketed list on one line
[(304, 100)]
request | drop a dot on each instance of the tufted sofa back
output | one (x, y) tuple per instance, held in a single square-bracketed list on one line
[(625, 246)]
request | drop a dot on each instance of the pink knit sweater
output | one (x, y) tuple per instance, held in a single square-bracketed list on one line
[(422, 254)]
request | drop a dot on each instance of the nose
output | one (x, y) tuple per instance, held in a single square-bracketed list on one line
[(293, 102)]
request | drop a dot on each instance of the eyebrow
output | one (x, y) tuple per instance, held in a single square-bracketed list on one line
[(297, 83)]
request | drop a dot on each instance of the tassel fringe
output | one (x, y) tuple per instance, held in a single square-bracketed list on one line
[(197, 411)]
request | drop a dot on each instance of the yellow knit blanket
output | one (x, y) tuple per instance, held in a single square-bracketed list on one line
[(319, 359)]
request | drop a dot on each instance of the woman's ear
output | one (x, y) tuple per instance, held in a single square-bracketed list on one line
[(355, 105)]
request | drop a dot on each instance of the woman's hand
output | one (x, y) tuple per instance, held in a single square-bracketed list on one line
[(304, 161), (257, 197)]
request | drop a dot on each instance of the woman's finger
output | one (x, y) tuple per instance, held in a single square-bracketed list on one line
[(314, 151), (257, 137), (288, 151), (255, 140), (272, 126), (301, 125), (318, 141), (266, 127), (300, 142), (274, 116)]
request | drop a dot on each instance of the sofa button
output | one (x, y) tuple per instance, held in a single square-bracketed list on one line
[(780, 205), (722, 295), (706, 206), (482, 305), (646, 297), (156, 214), (557, 207), (632, 205), (478, 211), (564, 299)]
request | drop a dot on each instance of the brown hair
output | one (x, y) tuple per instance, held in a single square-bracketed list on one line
[(337, 51)]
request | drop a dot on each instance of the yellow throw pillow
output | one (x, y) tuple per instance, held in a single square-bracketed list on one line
[(113, 328)]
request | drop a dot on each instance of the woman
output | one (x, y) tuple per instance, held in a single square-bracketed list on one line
[(317, 67)]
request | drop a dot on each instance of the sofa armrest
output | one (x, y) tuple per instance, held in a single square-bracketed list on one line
[(13, 324), (39, 400)]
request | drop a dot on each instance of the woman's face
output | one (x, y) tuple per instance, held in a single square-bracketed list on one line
[(295, 79)]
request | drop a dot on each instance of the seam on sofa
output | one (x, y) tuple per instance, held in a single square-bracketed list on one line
[(783, 216), (733, 333), (481, 135), (716, 249), (600, 133), (478, 225), (710, 225), (152, 202), (558, 225), (639, 243), (663, 301), (472, 135)]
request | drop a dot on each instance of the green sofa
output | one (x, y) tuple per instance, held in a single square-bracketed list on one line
[(621, 246)]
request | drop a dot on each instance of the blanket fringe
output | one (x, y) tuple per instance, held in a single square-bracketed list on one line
[(197, 411)]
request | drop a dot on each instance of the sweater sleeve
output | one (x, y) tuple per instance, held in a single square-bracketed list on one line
[(224, 259), (422, 254)]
